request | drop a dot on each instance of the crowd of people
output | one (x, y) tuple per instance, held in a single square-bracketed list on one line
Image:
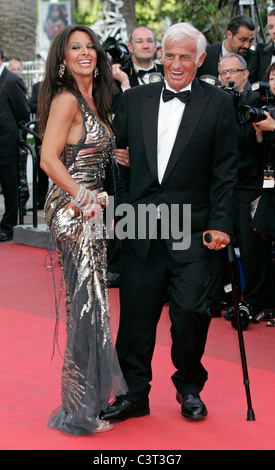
[(159, 136), (238, 68)]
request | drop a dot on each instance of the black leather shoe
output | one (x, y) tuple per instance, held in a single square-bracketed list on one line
[(215, 312), (191, 406), (4, 237), (121, 409)]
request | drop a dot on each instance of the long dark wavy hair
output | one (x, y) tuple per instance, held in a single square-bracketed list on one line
[(103, 84)]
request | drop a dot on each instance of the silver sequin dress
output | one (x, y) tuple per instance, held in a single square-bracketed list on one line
[(91, 373)]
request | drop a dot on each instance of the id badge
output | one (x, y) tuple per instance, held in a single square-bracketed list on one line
[(268, 177)]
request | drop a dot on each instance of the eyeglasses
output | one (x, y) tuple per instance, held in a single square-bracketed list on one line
[(244, 40), (142, 41), (231, 71)]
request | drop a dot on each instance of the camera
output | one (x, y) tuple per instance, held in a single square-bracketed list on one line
[(250, 114), (119, 53), (230, 89), (233, 92)]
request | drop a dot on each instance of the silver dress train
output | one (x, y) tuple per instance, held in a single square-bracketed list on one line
[(91, 372)]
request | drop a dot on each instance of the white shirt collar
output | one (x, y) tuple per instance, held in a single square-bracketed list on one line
[(1, 69), (137, 68), (224, 51), (188, 87)]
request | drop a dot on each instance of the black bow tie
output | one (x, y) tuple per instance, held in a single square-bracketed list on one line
[(168, 95), (141, 73)]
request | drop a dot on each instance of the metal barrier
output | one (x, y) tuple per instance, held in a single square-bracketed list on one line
[(32, 72)]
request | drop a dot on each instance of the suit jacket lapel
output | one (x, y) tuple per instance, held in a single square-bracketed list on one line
[(134, 80), (2, 77), (150, 109), (192, 113)]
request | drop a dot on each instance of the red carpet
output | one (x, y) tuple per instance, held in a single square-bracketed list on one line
[(30, 381)]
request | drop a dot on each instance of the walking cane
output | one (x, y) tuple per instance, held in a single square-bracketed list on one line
[(230, 255)]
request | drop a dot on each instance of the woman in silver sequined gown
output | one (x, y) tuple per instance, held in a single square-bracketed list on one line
[(77, 152)]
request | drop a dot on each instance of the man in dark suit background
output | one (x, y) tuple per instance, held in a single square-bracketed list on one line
[(239, 38), (14, 109), (255, 251), (265, 53), (142, 46), (182, 155)]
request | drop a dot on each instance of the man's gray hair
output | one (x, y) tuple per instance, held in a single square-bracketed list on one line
[(185, 30), (237, 56)]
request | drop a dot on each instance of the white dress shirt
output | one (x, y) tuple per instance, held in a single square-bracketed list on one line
[(170, 115), (146, 77), (1, 69)]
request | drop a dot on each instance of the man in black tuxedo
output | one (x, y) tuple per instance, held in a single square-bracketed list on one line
[(265, 53), (239, 38), (14, 109), (142, 46), (182, 158)]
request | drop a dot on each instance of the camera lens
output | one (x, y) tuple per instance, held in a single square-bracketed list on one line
[(256, 114), (246, 114)]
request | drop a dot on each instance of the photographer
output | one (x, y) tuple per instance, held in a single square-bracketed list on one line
[(255, 251), (240, 35), (264, 52), (264, 218), (140, 67)]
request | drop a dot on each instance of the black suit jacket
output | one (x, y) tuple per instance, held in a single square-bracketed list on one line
[(201, 170), (251, 153), (33, 101), (210, 64), (133, 78), (263, 59), (14, 108)]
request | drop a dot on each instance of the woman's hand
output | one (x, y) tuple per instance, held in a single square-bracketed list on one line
[(120, 76), (267, 124), (122, 157)]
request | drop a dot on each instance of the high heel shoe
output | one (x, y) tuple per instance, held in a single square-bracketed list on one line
[(103, 425)]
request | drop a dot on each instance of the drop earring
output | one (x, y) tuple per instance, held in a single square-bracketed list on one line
[(96, 72), (61, 70)]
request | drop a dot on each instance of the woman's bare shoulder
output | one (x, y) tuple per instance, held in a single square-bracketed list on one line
[(65, 97)]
